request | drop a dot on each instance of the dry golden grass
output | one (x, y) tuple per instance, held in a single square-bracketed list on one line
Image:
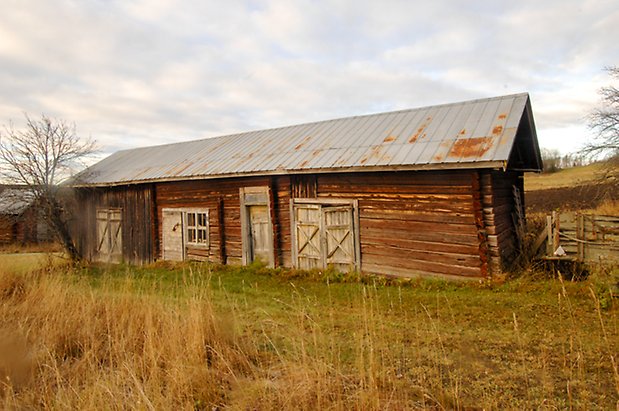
[(66, 347), (17, 248), (568, 177), (608, 207)]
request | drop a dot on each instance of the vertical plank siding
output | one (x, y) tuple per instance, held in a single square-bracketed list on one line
[(445, 223), (136, 203)]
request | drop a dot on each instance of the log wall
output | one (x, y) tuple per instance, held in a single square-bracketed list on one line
[(445, 223), (8, 229), (25, 228), (497, 189), (221, 198), (413, 223)]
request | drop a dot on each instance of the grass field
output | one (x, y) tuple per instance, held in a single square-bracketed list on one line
[(568, 177), (25, 261), (572, 189), (202, 337)]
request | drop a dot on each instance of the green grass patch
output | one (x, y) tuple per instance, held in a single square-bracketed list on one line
[(24, 262)]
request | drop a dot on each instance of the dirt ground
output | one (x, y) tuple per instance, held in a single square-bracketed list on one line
[(580, 197)]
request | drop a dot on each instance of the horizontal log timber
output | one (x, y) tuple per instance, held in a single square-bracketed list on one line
[(497, 211), (466, 260), (398, 197), (411, 244), (431, 178), (418, 205), (412, 215), (423, 227), (414, 273), (390, 262), (379, 233), (404, 190), (502, 227)]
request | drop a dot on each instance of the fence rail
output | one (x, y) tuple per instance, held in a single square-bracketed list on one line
[(580, 237)]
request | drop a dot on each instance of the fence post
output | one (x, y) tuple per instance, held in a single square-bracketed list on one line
[(580, 235), (549, 241)]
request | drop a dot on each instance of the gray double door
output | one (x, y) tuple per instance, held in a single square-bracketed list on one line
[(324, 235)]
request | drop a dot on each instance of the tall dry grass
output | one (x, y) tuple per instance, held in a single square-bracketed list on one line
[(67, 346), (64, 344)]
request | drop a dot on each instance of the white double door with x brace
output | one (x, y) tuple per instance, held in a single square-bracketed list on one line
[(324, 235)]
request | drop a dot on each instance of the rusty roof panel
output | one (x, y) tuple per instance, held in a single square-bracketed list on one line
[(468, 133), (504, 126)]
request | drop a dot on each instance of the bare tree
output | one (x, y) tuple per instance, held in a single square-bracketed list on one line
[(604, 120), (39, 157), (552, 159)]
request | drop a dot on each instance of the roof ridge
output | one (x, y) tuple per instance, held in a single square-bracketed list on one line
[(270, 129), (474, 133)]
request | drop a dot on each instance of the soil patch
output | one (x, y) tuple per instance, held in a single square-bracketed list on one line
[(570, 198)]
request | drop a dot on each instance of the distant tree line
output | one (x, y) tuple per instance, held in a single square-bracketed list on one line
[(555, 161)]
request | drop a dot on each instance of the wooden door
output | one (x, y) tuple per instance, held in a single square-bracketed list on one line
[(324, 235), (339, 237), (308, 236), (256, 225), (259, 232), (173, 240), (109, 235)]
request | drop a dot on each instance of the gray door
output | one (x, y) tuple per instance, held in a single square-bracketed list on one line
[(324, 236), (308, 237), (259, 232), (172, 227), (339, 237), (109, 235)]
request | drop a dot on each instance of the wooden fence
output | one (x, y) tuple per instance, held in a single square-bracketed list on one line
[(580, 237)]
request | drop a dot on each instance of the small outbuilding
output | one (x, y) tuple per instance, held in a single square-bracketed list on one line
[(21, 221), (428, 191)]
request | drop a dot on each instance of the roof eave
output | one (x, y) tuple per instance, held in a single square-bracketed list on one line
[(418, 167)]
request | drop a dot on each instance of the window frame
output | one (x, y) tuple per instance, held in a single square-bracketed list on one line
[(196, 227)]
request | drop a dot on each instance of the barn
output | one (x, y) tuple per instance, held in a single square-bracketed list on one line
[(21, 221), (428, 191)]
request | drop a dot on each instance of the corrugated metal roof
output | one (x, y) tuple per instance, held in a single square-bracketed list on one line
[(15, 201), (478, 133)]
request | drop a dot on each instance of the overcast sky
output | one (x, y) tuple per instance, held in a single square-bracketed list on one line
[(133, 73)]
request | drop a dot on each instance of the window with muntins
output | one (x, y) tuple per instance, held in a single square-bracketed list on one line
[(196, 228)]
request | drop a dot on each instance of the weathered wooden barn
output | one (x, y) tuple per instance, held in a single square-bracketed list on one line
[(21, 221), (427, 191)]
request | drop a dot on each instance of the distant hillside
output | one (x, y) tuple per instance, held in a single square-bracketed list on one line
[(577, 188), (569, 177)]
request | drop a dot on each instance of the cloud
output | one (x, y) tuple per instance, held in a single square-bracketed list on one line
[(142, 72)]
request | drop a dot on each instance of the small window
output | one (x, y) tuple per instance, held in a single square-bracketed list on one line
[(197, 228)]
